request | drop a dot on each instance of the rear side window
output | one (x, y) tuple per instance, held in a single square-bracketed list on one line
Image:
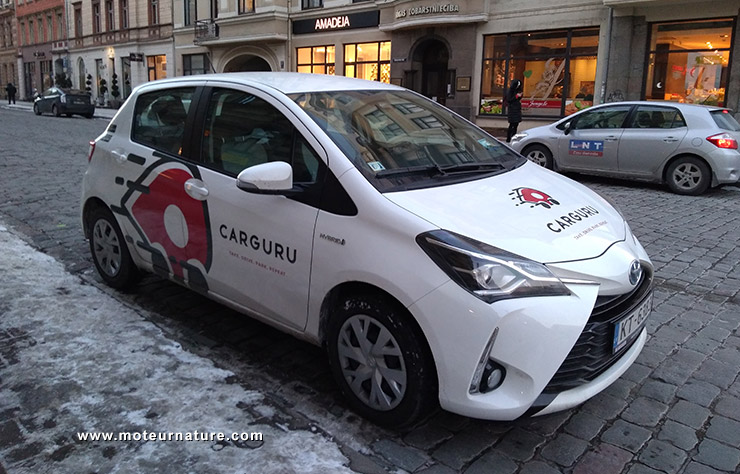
[(648, 116), (725, 120), (159, 119)]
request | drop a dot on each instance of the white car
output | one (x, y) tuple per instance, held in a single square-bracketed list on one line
[(688, 147), (435, 265)]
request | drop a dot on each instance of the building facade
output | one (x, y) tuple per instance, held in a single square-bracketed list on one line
[(8, 46), (570, 54), (115, 45), (42, 32)]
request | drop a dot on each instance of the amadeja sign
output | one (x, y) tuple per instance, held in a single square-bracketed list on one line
[(428, 10), (339, 22)]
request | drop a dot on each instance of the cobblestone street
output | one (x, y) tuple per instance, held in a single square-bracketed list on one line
[(676, 410)]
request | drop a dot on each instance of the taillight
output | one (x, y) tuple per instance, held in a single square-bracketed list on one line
[(723, 140), (92, 150)]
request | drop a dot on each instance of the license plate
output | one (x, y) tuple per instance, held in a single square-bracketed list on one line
[(630, 324), (80, 101)]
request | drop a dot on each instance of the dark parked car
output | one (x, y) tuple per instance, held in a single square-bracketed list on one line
[(64, 101)]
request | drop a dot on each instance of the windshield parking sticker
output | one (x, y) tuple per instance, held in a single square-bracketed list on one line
[(533, 197), (376, 166), (586, 147)]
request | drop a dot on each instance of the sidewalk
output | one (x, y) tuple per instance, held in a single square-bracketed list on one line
[(75, 360), (100, 112)]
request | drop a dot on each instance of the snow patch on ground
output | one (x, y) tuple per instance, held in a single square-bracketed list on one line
[(80, 361)]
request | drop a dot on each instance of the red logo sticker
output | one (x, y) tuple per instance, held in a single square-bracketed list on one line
[(533, 197)]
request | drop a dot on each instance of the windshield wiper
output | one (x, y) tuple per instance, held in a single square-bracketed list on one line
[(471, 167), (432, 170)]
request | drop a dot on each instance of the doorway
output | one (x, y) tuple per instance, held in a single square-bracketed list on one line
[(433, 55), (247, 63)]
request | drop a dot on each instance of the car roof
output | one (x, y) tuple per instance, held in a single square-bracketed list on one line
[(287, 82), (664, 103)]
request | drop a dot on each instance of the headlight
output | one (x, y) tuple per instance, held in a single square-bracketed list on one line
[(489, 273), (519, 136)]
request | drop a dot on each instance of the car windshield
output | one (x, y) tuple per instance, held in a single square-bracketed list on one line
[(399, 140), (724, 120)]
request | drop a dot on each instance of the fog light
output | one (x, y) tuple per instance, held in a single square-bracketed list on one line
[(493, 376)]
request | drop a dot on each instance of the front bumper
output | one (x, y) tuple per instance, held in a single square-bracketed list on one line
[(541, 343)]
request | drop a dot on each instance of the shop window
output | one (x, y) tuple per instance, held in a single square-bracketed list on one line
[(156, 67), (316, 60), (370, 61), (195, 64), (557, 68), (689, 61)]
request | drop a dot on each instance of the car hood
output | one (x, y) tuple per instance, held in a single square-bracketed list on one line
[(529, 211)]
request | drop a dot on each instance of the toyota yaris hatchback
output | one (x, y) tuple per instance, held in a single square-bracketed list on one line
[(435, 265), (687, 147)]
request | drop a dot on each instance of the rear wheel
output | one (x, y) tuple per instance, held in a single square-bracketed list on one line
[(539, 154), (688, 175), (89, 116), (380, 361), (68, 115), (55, 111), (36, 109), (109, 251)]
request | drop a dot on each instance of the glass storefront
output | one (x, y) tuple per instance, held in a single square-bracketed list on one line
[(370, 61), (557, 68), (317, 60), (688, 61)]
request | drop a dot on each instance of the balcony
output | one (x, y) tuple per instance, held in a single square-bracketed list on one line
[(205, 30), (60, 46)]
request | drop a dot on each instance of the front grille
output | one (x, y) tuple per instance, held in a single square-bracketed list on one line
[(592, 353)]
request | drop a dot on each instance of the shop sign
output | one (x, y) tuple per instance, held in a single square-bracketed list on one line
[(339, 22), (428, 10), (137, 57)]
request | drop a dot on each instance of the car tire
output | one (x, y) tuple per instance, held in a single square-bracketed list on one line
[(688, 175), (109, 250), (539, 154), (68, 115), (36, 109), (89, 116), (394, 388), (55, 111)]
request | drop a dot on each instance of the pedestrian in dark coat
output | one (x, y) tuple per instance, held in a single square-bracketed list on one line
[(10, 89), (514, 107)]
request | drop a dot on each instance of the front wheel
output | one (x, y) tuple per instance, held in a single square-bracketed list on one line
[(381, 361), (109, 251), (539, 154), (688, 175), (55, 111), (36, 109)]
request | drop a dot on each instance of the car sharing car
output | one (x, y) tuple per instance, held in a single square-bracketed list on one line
[(687, 147), (67, 102), (433, 263)]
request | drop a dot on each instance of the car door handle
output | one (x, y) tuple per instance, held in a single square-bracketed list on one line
[(670, 139), (196, 189), (611, 138), (119, 155)]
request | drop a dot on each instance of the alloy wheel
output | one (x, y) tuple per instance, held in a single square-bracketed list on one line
[(538, 157), (687, 176)]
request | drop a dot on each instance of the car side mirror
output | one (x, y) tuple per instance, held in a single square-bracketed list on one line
[(568, 127), (275, 177)]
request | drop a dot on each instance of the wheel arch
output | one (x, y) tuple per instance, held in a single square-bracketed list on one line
[(345, 289), (671, 160), (544, 145), (91, 205)]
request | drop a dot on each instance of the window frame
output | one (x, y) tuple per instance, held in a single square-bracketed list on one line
[(326, 65), (96, 20), (379, 62)]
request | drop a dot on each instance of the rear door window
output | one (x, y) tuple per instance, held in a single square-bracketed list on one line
[(725, 120), (650, 116), (159, 119)]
